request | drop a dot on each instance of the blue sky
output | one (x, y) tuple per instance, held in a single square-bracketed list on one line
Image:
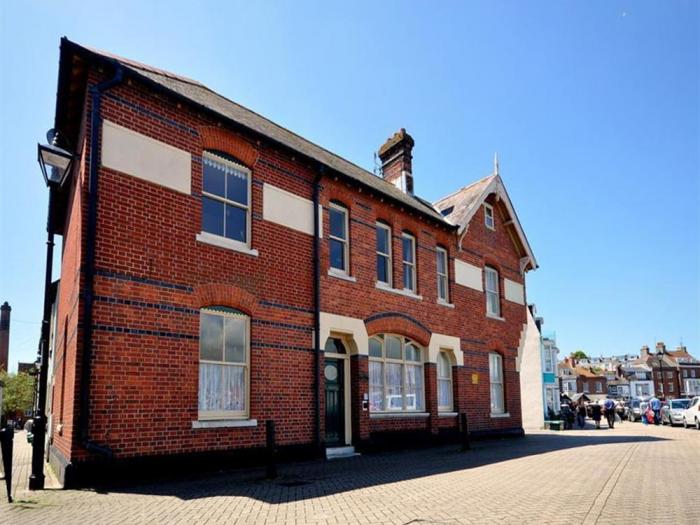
[(592, 106)]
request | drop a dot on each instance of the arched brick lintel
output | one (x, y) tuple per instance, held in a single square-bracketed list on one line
[(396, 323), (216, 294), (215, 138)]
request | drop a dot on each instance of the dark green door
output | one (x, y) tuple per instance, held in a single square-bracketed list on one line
[(335, 415)]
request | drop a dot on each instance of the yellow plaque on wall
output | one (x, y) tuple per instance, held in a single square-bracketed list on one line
[(475, 379)]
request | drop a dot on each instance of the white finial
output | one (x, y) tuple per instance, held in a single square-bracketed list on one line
[(495, 164)]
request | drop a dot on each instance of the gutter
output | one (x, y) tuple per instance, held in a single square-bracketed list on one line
[(85, 372), (317, 310)]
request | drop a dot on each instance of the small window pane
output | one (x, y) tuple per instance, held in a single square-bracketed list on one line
[(337, 219), (337, 249), (382, 240), (212, 216), (408, 277), (394, 397), (375, 347), (376, 386), (211, 337), (441, 261), (443, 365), (393, 347), (445, 393), (213, 177), (442, 288), (382, 268), (236, 225), (412, 353), (237, 187), (414, 387), (234, 350), (407, 243)]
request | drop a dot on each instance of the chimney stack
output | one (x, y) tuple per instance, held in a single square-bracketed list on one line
[(396, 156), (5, 310), (644, 353), (660, 347)]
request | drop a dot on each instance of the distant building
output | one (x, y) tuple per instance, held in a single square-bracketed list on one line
[(26, 368)]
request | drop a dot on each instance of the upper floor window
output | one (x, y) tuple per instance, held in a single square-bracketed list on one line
[(548, 360), (225, 198), (395, 374), (224, 357), (444, 376), (598, 387), (488, 217), (493, 300), (442, 276), (496, 381), (408, 245), (383, 253), (669, 374), (692, 373), (586, 390), (338, 238), (685, 373)]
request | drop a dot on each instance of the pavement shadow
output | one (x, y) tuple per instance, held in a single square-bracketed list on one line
[(300, 481)]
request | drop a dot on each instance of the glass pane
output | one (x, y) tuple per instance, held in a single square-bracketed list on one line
[(493, 303), (445, 393), (443, 366), (337, 254), (394, 399), (233, 388), (236, 223), (407, 243), (375, 347), (442, 288), (212, 216), (491, 280), (441, 261), (235, 343), (337, 218), (408, 277), (382, 240), (393, 347), (376, 386), (382, 269), (412, 352), (414, 387), (210, 387), (213, 177), (237, 186), (211, 337)]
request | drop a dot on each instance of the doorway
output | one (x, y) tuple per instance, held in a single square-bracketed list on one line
[(335, 401)]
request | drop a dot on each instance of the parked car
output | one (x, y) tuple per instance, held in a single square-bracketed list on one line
[(672, 412), (637, 407), (691, 415)]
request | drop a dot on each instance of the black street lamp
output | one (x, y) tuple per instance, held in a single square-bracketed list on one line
[(660, 357), (56, 164)]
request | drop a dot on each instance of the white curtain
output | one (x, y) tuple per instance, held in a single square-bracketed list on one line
[(414, 387), (221, 387), (394, 397), (376, 386)]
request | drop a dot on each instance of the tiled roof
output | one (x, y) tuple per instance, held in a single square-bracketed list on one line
[(457, 206)]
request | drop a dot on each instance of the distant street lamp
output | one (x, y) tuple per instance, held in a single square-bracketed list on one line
[(660, 358), (56, 164)]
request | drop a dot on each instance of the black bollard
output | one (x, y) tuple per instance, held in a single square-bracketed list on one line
[(7, 435), (466, 438), (271, 470)]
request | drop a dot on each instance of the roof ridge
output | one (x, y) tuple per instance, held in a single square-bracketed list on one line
[(463, 188)]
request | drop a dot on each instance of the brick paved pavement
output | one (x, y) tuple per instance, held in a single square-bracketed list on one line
[(633, 474)]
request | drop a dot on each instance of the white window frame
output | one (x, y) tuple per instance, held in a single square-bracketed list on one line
[(249, 175), (204, 415), (488, 214), (443, 274), (420, 404), (498, 402), (598, 387), (492, 292), (548, 360), (387, 255), (345, 242), (412, 265), (445, 379)]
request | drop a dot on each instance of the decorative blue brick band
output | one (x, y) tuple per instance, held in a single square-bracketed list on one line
[(132, 278), (147, 112)]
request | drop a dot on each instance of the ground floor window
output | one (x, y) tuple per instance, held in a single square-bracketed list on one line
[(444, 373), (395, 374), (496, 380)]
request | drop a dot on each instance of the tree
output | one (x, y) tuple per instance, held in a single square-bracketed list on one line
[(579, 354), (18, 393)]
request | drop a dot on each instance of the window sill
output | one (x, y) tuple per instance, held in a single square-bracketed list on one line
[(390, 415), (223, 242), (495, 317), (501, 415), (224, 423), (341, 275), (445, 303), (447, 414), (404, 292)]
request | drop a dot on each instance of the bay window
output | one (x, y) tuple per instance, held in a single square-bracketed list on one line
[(395, 374)]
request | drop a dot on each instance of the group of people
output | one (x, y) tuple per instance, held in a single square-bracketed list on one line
[(652, 414), (610, 409)]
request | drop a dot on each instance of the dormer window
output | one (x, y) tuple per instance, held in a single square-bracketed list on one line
[(488, 217)]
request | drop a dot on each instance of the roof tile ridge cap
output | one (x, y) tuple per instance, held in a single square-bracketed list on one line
[(482, 179)]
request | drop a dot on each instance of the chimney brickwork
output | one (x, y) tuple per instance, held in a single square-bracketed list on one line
[(396, 155)]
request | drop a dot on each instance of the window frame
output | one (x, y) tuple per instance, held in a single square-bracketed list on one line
[(403, 362), (450, 406), (345, 242), (497, 291), (496, 358), (209, 415), (214, 157), (445, 275), (388, 256), (489, 213), (413, 265)]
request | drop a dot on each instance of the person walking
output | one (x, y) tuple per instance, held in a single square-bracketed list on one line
[(567, 416), (610, 412), (596, 412), (655, 405), (581, 414)]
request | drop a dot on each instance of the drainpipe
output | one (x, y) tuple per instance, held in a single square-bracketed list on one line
[(317, 311), (85, 373)]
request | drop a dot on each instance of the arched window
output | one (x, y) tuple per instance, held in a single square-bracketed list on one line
[(226, 199), (444, 376), (224, 363), (395, 374)]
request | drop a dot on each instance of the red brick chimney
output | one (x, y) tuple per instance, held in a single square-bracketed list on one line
[(660, 347), (5, 310), (396, 156)]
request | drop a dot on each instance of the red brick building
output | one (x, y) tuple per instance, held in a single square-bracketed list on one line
[(220, 271)]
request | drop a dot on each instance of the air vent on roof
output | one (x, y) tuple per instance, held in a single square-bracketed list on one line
[(447, 211)]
